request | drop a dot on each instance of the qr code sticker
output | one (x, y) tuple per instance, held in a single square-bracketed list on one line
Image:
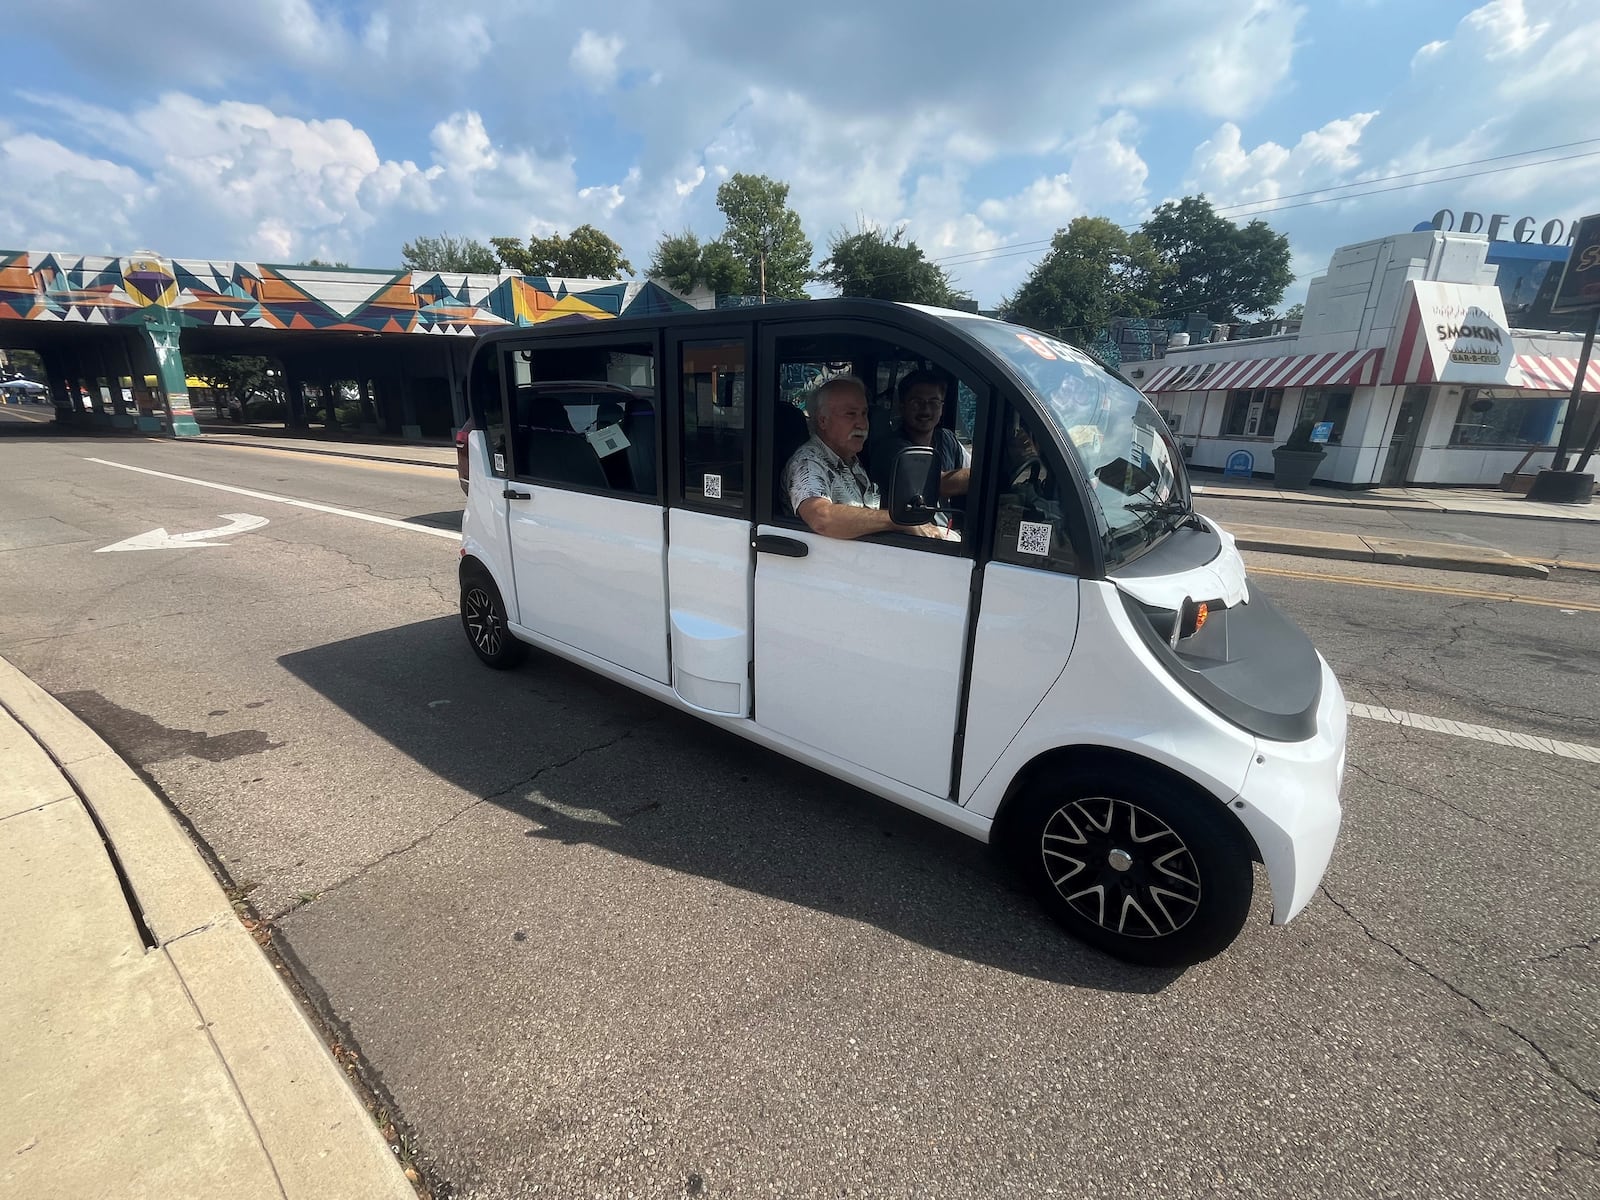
[(500, 464), (1033, 537), (713, 488)]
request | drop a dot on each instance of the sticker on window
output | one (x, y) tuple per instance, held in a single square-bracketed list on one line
[(1036, 345), (608, 440), (1033, 537), (713, 487), (499, 464)]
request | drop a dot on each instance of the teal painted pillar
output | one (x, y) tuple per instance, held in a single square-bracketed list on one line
[(162, 335)]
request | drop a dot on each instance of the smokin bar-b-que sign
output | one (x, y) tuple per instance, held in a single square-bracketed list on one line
[(1456, 333)]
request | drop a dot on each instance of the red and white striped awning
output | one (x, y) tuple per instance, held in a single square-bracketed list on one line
[(1343, 368), (1544, 373)]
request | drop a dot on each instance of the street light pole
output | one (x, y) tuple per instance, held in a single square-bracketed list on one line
[(1570, 425), (1577, 395)]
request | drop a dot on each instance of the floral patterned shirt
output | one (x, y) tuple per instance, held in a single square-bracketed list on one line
[(814, 470)]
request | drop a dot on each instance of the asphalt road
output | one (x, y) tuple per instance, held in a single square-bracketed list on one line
[(1556, 541), (592, 947)]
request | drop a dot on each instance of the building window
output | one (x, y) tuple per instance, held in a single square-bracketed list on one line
[(1490, 417), (1252, 412), (1327, 405)]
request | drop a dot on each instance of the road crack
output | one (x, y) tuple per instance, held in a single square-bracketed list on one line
[(1555, 1068), (1358, 769), (1563, 951)]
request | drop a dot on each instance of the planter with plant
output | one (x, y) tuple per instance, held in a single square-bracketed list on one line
[(1296, 461)]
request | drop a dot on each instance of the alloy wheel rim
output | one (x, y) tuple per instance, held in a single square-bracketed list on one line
[(1121, 867), (483, 623)]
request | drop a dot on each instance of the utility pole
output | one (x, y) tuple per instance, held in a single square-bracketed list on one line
[(1569, 427)]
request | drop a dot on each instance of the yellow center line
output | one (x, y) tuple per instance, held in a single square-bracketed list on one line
[(1430, 589)]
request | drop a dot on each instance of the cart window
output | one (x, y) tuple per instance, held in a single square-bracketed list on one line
[(1030, 527), (715, 417), (584, 417)]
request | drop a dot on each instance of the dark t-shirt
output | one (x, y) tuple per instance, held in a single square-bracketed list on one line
[(947, 449)]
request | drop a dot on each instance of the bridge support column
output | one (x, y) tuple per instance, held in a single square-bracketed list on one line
[(161, 336), (369, 414), (56, 375), (294, 400), (410, 428), (112, 362)]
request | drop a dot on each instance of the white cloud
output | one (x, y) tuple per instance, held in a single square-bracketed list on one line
[(314, 126), (1047, 201), (1107, 169), (49, 189), (1504, 28), (685, 186), (594, 59), (1229, 174)]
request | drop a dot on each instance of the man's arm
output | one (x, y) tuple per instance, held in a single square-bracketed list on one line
[(823, 516), (956, 482)]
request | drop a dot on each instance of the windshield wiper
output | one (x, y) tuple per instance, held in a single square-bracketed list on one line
[(1165, 508)]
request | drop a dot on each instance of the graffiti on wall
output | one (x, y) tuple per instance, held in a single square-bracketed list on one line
[(99, 290)]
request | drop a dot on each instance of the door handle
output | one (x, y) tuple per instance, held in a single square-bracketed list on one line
[(772, 543), (512, 494)]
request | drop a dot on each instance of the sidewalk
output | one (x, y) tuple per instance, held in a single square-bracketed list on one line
[(1484, 502), (433, 452), (150, 1048)]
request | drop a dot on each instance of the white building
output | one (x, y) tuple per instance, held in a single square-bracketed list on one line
[(1406, 350)]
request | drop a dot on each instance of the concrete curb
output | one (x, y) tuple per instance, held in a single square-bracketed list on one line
[(1352, 547), (315, 1132)]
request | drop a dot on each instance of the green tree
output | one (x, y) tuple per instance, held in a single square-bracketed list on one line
[(1093, 271), (585, 253), (884, 268), (27, 362), (319, 262), (448, 253), (683, 262), (1214, 266), (676, 261), (764, 234), (238, 375)]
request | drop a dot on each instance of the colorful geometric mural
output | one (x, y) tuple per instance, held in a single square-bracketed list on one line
[(113, 291)]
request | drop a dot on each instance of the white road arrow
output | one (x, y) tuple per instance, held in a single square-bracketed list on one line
[(160, 539)]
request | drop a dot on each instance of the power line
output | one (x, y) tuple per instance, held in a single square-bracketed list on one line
[(1262, 207), (1476, 162)]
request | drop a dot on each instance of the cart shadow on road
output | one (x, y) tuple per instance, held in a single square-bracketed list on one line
[(588, 761)]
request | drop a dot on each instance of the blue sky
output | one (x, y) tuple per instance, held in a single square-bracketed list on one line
[(287, 129)]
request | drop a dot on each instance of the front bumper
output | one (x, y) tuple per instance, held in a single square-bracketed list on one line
[(1290, 803)]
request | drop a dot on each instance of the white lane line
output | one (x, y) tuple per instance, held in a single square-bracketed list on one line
[(275, 499), (1479, 733)]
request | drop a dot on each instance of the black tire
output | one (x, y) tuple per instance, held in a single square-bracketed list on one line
[(1145, 870), (483, 617)]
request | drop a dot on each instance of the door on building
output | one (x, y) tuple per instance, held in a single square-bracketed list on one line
[(1403, 441)]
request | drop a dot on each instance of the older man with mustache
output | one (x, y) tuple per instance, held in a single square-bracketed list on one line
[(824, 481)]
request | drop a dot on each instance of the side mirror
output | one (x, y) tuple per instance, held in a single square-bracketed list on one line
[(914, 486), (1125, 477)]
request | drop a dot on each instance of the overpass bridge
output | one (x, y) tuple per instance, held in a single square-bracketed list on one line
[(112, 332)]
